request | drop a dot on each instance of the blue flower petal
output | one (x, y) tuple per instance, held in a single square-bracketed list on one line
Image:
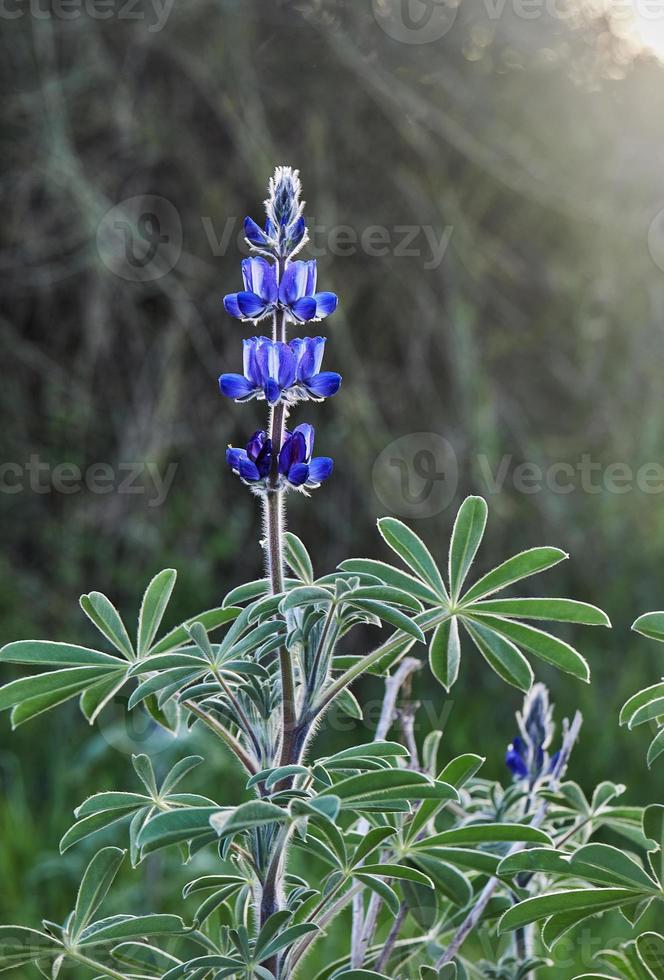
[(254, 233), (252, 307), (231, 305), (257, 443), (293, 285), (324, 385), (305, 432), (312, 276), (320, 468), (260, 277), (249, 471), (233, 457), (272, 391), (236, 386), (304, 309), (326, 303), (286, 364), (298, 474)]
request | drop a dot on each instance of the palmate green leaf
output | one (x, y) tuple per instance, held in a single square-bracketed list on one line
[(447, 879), (306, 595), (639, 700), (647, 712), (487, 833), (297, 558), (98, 878), (651, 625), (108, 621), (210, 620), (389, 614), (31, 707), (92, 824), (555, 610), (400, 872), (385, 593), (471, 859), (153, 606), (378, 750), (466, 538), (590, 901), (176, 826), (650, 950), (598, 863), (247, 816), (520, 566), (94, 699), (133, 927), (347, 704), (68, 681), (545, 646), (445, 653), (112, 800), (388, 784), (360, 975), (380, 888), (20, 946), (412, 550), (392, 576), (47, 653), (456, 773), (656, 748), (502, 656), (142, 956)]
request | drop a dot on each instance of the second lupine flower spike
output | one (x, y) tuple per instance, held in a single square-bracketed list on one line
[(527, 757), (277, 372)]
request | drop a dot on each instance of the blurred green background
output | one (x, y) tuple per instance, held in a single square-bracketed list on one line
[(485, 185)]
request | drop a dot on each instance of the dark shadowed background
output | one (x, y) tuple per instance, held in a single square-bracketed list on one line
[(485, 187)]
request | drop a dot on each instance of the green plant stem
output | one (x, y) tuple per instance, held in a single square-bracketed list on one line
[(94, 965), (251, 735), (225, 736), (427, 620)]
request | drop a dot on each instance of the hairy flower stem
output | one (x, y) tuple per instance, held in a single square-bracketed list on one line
[(364, 927), (478, 909)]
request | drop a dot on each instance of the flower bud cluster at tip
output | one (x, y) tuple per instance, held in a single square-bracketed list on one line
[(277, 371), (527, 756)]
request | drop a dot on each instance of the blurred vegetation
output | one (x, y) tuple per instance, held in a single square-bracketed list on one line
[(538, 338)]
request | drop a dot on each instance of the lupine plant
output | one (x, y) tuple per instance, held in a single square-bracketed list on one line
[(435, 871)]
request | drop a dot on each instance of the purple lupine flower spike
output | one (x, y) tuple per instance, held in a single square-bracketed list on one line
[(282, 372)]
